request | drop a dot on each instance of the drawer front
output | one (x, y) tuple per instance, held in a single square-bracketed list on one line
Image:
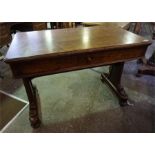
[(70, 62)]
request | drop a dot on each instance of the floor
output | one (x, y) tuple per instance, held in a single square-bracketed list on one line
[(79, 102), (10, 107)]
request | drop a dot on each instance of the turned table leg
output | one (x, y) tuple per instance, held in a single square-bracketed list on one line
[(34, 103), (113, 80)]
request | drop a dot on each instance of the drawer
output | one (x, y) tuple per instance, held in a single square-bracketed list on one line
[(74, 61)]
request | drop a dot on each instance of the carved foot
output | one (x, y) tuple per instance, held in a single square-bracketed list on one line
[(122, 92), (35, 122), (118, 90), (125, 103)]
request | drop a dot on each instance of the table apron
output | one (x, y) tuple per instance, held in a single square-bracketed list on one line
[(40, 66)]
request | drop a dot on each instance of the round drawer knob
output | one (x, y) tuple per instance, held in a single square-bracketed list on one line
[(89, 59)]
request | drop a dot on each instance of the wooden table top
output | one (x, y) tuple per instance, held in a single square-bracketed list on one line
[(29, 45)]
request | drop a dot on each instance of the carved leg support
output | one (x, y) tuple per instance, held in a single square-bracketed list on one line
[(113, 80), (34, 103)]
